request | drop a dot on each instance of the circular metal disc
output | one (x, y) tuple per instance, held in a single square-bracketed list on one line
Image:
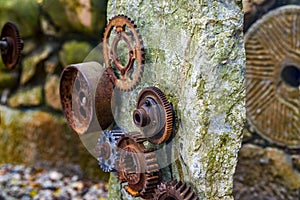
[(273, 76), (11, 55)]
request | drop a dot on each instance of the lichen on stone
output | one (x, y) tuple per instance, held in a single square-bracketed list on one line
[(194, 54), (26, 98)]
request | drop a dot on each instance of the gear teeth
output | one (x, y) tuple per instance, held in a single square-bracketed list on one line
[(12, 56), (138, 137), (168, 112), (148, 177), (110, 137), (152, 164), (175, 190), (124, 84), (150, 186)]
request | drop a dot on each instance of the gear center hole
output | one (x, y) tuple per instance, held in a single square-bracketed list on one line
[(137, 118), (291, 75), (122, 53), (130, 167)]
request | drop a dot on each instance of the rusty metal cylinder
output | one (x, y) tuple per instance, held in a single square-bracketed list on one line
[(141, 117), (80, 84)]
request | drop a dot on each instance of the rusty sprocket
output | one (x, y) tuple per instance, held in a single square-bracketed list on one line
[(11, 45), (124, 76)]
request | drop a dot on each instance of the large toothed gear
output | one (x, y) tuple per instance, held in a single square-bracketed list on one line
[(174, 190), (107, 151), (154, 115), (138, 166), (124, 76), (11, 45)]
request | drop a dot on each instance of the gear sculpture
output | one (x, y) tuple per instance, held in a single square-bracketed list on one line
[(11, 45), (86, 98)]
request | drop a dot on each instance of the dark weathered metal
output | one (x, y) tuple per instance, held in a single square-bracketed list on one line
[(273, 76), (175, 190), (138, 166), (154, 115), (104, 102), (11, 45), (79, 85), (123, 75)]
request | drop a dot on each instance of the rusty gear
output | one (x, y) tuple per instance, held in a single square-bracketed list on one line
[(11, 45), (154, 115), (106, 149), (124, 77), (174, 190), (138, 166)]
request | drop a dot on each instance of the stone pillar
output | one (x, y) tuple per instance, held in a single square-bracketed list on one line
[(195, 55)]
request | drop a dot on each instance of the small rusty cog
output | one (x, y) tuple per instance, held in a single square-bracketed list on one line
[(125, 77), (174, 190), (138, 166), (11, 45), (154, 115), (107, 151)]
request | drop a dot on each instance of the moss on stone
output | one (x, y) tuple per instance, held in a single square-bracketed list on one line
[(87, 17), (24, 13), (31, 137), (27, 98), (195, 56), (31, 62), (7, 80), (74, 52)]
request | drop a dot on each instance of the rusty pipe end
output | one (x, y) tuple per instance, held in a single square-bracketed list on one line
[(140, 118), (78, 84)]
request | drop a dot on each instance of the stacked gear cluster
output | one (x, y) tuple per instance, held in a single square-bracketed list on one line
[(87, 102)]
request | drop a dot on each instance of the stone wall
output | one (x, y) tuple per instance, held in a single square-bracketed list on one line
[(56, 33), (266, 169)]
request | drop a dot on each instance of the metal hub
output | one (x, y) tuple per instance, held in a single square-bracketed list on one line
[(154, 115), (11, 45)]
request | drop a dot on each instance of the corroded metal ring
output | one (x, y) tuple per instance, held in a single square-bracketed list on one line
[(125, 77), (79, 84)]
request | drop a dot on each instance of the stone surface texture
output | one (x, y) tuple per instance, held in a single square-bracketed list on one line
[(274, 170), (195, 55)]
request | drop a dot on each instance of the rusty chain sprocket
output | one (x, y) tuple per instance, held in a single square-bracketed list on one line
[(11, 45), (154, 115), (107, 151), (138, 166), (174, 190), (125, 77)]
